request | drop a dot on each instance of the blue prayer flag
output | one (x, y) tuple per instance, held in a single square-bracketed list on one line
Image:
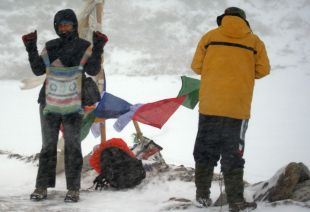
[(111, 106)]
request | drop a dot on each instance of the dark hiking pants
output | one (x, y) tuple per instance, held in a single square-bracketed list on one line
[(50, 125), (220, 137)]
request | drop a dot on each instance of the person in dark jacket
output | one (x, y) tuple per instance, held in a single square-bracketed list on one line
[(62, 56), (229, 59)]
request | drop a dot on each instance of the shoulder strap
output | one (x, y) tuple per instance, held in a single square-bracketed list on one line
[(86, 55), (45, 57), (100, 182)]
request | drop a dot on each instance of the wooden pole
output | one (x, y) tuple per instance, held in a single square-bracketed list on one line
[(99, 12), (138, 130), (100, 78)]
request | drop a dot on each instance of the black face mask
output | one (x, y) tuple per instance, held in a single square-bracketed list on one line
[(67, 36), (66, 15)]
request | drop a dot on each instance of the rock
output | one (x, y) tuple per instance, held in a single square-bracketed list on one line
[(301, 192), (27, 159), (304, 173), (290, 182), (286, 183)]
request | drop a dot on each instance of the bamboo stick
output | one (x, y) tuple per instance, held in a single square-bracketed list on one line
[(100, 77), (138, 130)]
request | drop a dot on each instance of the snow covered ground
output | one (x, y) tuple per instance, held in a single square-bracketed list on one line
[(278, 134)]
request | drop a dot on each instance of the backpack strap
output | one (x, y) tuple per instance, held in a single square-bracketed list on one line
[(45, 57), (100, 182), (86, 55)]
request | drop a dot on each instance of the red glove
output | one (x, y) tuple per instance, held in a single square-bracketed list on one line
[(30, 37), (30, 41), (99, 39)]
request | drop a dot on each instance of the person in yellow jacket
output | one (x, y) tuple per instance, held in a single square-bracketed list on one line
[(229, 59)]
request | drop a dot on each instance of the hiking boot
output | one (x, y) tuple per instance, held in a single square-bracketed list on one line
[(242, 206), (72, 196), (234, 185), (39, 194), (203, 180), (205, 202)]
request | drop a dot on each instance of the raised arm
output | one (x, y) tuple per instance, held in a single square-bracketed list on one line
[(36, 62), (93, 65)]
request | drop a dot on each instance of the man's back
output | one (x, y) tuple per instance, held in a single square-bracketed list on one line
[(229, 58)]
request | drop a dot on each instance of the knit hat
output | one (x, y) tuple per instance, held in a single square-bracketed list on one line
[(235, 11)]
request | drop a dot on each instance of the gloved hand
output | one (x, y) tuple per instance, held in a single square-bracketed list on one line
[(30, 41), (99, 39)]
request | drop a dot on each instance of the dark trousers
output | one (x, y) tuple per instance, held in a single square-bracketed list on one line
[(50, 125), (220, 137)]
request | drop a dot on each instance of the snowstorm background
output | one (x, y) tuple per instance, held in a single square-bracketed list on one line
[(157, 37)]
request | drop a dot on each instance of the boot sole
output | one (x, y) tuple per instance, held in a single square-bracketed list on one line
[(37, 199), (70, 200)]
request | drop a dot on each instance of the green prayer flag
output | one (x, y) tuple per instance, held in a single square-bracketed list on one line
[(190, 89), (87, 122)]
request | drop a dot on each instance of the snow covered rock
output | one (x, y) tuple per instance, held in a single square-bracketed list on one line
[(290, 182), (28, 159)]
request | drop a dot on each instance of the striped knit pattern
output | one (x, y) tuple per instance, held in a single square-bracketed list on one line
[(63, 86), (63, 90), (44, 56)]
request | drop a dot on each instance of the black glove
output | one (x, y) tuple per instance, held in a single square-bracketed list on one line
[(99, 40), (30, 41)]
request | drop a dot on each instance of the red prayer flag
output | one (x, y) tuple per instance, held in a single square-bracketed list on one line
[(157, 113)]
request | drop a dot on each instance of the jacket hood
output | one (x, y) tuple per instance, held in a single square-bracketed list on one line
[(69, 16), (234, 26)]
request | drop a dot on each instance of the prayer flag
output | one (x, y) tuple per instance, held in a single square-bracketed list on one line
[(111, 106), (157, 113), (190, 88)]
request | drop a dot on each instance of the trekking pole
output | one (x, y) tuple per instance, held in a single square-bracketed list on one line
[(221, 189)]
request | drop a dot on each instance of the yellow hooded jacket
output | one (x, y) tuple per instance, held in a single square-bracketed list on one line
[(229, 59)]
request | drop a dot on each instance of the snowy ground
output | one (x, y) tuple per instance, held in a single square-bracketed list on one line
[(278, 134)]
